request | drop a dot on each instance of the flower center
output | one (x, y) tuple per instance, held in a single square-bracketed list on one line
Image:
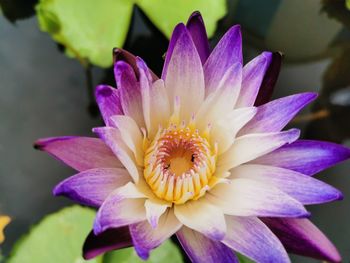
[(179, 164)]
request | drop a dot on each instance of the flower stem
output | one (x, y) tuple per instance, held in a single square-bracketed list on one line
[(92, 106)]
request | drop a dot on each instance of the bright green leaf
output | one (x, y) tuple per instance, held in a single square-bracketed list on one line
[(243, 259), (167, 252), (89, 29), (166, 14), (59, 237), (348, 4)]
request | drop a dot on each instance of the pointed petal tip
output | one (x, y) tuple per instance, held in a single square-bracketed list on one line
[(195, 17), (38, 145), (42, 143), (103, 91), (339, 196), (304, 214), (58, 190), (143, 254), (121, 66), (97, 227), (196, 14), (294, 135)]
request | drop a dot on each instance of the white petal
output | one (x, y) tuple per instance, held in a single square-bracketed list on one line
[(154, 210), (131, 135), (124, 206), (202, 217), (112, 137), (184, 78), (223, 99), (156, 101), (225, 129), (249, 147)]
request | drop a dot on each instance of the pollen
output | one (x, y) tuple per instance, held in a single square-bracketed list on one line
[(180, 163)]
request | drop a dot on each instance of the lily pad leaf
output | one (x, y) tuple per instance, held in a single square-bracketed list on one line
[(167, 252), (59, 237), (166, 14), (89, 30), (243, 259)]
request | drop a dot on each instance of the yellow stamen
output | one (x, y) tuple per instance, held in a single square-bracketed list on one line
[(180, 162)]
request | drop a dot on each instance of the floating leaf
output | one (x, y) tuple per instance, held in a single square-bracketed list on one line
[(166, 14), (243, 259), (59, 237), (167, 252), (89, 31)]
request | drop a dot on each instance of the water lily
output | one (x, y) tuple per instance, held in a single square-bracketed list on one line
[(200, 153), (4, 221)]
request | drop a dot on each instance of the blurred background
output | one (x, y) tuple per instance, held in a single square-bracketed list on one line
[(46, 92)]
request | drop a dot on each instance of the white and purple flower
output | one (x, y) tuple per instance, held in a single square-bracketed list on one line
[(200, 153)]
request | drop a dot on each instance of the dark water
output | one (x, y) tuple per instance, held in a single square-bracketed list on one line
[(43, 94)]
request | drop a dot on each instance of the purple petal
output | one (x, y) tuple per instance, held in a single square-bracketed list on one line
[(227, 52), (303, 188), (184, 79), (252, 238), (123, 55), (91, 187), (300, 236), (130, 94), (305, 156), (275, 115), (253, 74), (246, 197), (80, 153), (196, 27), (145, 238), (200, 248), (122, 207), (108, 100), (178, 31), (112, 239), (270, 79)]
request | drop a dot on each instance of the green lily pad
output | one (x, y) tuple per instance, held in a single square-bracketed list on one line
[(89, 29), (167, 252), (166, 14), (243, 259), (59, 237)]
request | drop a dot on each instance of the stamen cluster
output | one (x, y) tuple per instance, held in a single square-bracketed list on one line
[(179, 164)]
